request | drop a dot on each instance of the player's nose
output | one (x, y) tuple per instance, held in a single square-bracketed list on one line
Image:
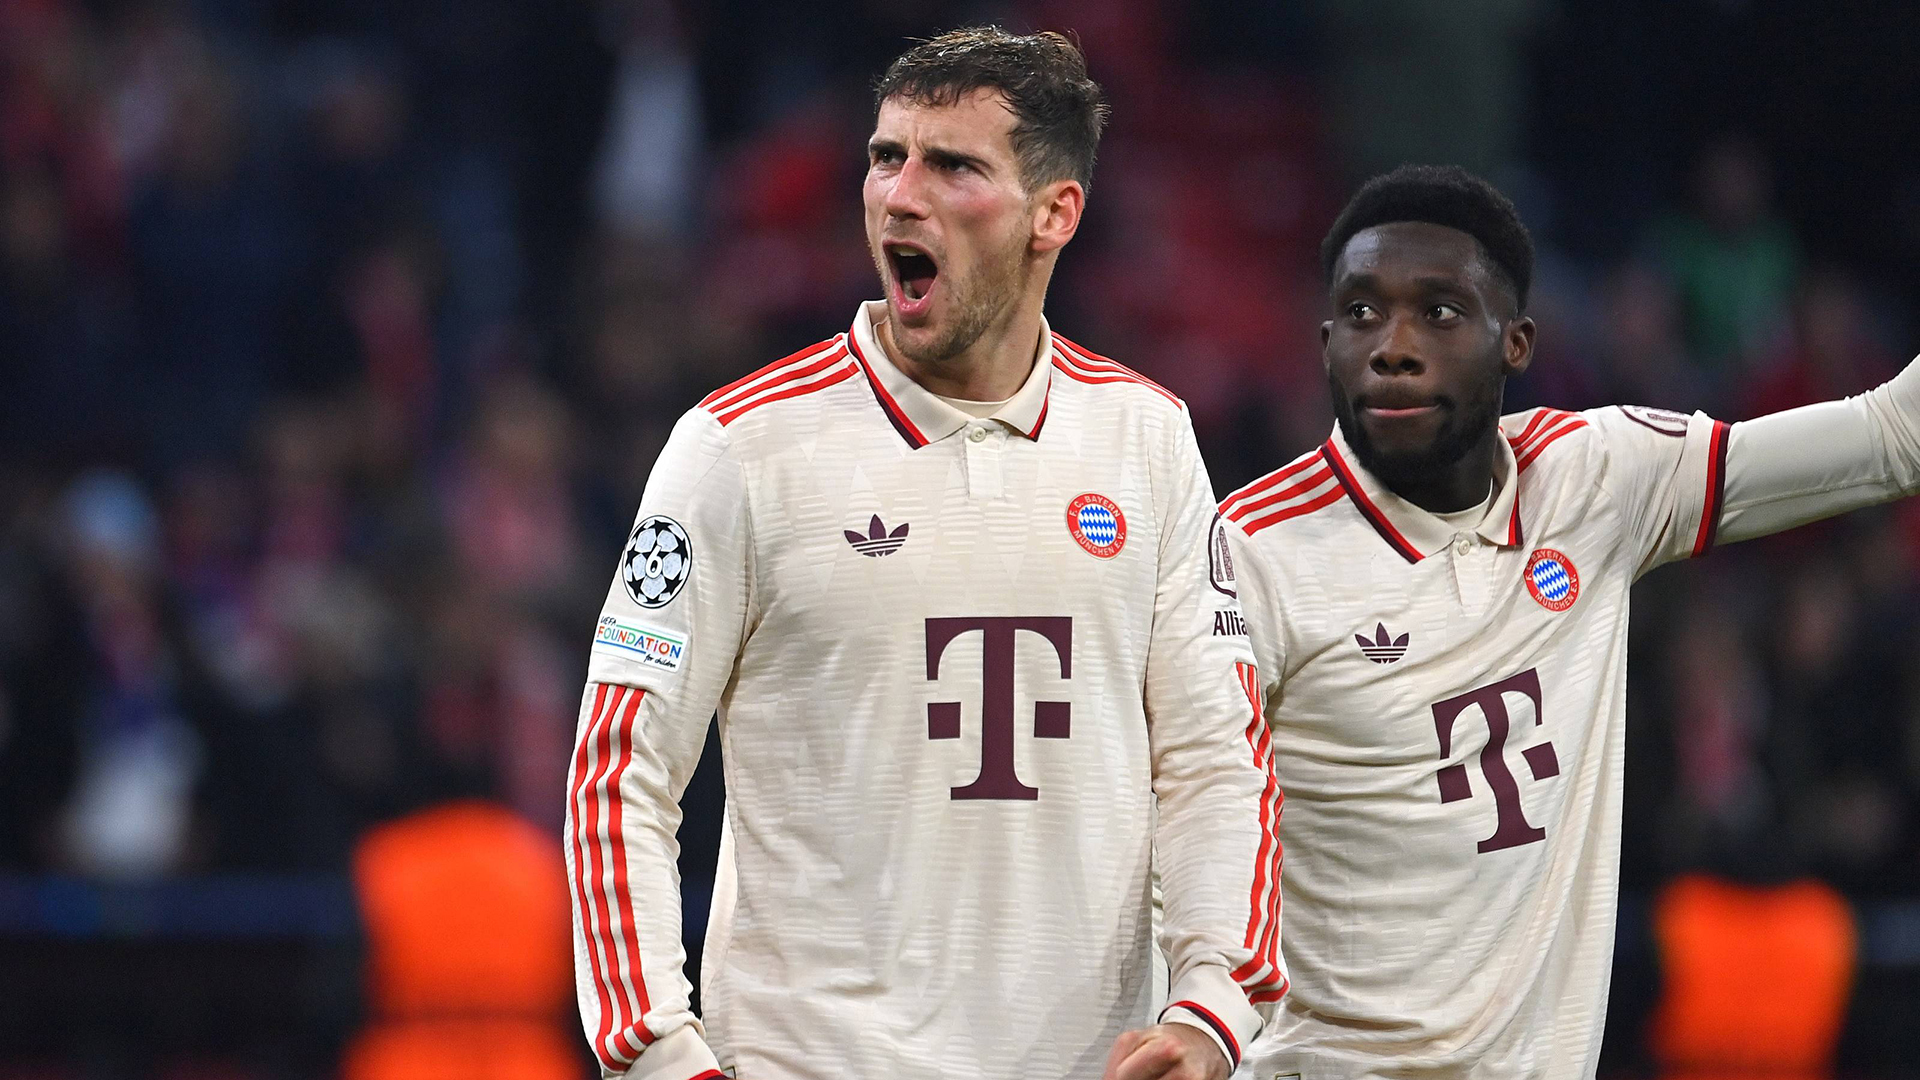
[(1397, 350), (906, 192)]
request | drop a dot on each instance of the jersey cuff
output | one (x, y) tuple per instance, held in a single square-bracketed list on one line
[(1206, 997), (680, 1054), (1718, 435)]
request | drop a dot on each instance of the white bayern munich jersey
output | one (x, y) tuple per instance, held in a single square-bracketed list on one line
[(974, 683), (1448, 713)]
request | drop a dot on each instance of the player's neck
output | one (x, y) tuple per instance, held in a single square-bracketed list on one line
[(993, 368), (1459, 486)]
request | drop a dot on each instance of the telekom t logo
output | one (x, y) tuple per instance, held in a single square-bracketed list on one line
[(999, 641), (1511, 828)]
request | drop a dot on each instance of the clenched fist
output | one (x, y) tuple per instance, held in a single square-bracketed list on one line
[(1166, 1052)]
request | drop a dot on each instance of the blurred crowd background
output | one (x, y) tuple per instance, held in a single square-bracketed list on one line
[(337, 340)]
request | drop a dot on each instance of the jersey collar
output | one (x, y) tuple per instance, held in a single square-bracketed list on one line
[(1414, 532), (919, 415)]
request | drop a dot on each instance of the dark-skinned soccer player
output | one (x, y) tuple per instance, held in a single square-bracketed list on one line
[(1438, 602)]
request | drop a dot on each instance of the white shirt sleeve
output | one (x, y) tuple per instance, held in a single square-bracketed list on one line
[(1666, 471), (663, 652), (1216, 840), (1804, 464), (1688, 483)]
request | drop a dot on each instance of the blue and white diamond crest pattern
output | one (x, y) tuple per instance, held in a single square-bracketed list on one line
[(1098, 525), (1550, 577)]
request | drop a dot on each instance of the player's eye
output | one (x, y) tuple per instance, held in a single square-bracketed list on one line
[(1360, 312), (1445, 313), (884, 156)]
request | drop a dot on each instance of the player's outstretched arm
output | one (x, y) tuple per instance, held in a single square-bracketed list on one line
[(1687, 484), (663, 650), (1804, 464), (1216, 841)]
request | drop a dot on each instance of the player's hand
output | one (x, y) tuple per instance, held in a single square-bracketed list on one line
[(1166, 1052)]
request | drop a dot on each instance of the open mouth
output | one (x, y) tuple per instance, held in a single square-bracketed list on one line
[(914, 269)]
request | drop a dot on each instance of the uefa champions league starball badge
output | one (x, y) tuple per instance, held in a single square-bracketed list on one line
[(1097, 525), (657, 562), (1552, 580)]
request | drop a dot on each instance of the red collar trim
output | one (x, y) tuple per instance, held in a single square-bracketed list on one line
[(888, 405), (1365, 505)]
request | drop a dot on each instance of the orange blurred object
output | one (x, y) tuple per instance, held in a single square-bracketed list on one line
[(489, 1049), (1756, 980), (469, 969)]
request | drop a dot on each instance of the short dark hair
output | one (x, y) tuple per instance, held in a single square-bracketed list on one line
[(1058, 112), (1440, 195)]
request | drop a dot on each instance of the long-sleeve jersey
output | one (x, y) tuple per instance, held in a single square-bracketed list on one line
[(1448, 706), (975, 681)]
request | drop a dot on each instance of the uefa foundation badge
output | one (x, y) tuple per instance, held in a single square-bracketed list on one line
[(1552, 580), (1097, 525)]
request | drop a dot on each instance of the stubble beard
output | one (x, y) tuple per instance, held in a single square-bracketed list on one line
[(1462, 431)]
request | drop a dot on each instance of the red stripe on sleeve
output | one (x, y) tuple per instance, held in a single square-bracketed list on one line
[(1547, 438), (1263, 901), (1091, 361), (613, 1027), (794, 388), (1539, 416), (1270, 946), (624, 984), (1716, 488), (1260, 858), (582, 873), (1263, 966), (1246, 509), (622, 897), (724, 404), (1078, 374), (1263, 997), (1267, 482), (1327, 498), (760, 373), (1274, 804)]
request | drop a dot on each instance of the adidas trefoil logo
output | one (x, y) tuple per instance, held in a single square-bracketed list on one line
[(1382, 649), (878, 542)]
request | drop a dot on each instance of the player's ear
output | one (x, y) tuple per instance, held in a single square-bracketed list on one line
[(1056, 214), (1517, 345)]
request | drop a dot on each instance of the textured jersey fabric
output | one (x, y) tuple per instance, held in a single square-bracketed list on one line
[(974, 680)]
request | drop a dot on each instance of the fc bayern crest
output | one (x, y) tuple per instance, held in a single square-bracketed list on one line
[(1097, 525), (657, 563), (1552, 579)]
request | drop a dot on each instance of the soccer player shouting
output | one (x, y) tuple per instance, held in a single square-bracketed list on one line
[(946, 579), (1437, 598)]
